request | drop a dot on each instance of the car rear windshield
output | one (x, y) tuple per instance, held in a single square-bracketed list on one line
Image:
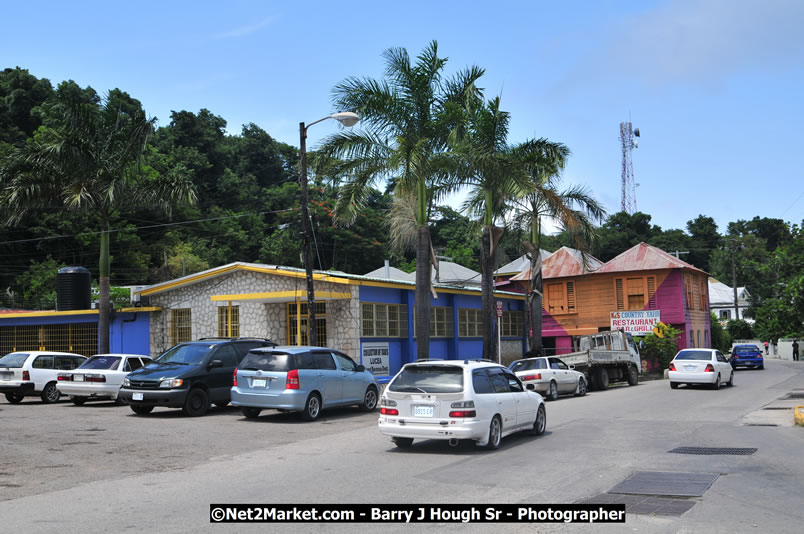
[(101, 362), (429, 379), (14, 360), (750, 350), (268, 361), (528, 365), (694, 355)]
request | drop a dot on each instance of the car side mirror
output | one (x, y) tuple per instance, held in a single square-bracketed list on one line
[(361, 368), (215, 363), (530, 387), (572, 367)]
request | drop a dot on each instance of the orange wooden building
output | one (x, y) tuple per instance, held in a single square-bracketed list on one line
[(583, 295)]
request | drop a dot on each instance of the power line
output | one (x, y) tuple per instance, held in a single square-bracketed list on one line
[(146, 227)]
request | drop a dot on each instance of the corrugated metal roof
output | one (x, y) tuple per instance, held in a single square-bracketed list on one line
[(520, 264), (564, 262), (644, 257)]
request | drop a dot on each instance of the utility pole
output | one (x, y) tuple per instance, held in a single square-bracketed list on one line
[(677, 252), (307, 251), (734, 281)]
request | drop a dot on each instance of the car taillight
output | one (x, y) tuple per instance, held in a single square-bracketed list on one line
[(672, 367), (537, 376), (234, 378), (389, 411), (709, 368), (95, 378), (463, 413), (26, 375), (292, 381), (759, 355), (63, 377)]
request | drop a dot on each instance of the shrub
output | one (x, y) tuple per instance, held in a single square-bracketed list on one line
[(661, 345)]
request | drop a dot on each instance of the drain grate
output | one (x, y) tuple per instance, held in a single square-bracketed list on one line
[(795, 396), (777, 408), (715, 450), (666, 483), (760, 424), (644, 505)]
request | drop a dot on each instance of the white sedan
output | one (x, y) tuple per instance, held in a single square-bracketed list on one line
[(700, 366), (550, 376), (100, 377)]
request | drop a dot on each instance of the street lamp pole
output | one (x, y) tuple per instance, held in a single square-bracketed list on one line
[(347, 119)]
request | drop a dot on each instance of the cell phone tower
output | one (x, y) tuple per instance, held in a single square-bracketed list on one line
[(628, 141)]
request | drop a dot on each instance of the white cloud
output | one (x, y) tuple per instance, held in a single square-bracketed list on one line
[(248, 29)]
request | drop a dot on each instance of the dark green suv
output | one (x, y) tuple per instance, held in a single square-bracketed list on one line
[(190, 376)]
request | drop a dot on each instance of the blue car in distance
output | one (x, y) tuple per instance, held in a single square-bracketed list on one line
[(747, 356), (301, 379)]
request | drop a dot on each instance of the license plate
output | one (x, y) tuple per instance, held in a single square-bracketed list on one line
[(258, 383), (78, 378), (690, 367), (423, 411), (136, 396)]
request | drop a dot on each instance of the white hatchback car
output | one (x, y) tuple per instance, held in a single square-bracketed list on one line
[(100, 377), (700, 366), (458, 400), (34, 373), (550, 376)]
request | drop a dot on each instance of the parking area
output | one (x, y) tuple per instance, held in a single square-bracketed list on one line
[(59, 446)]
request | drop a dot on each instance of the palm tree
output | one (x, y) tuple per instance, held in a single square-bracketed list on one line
[(91, 162), (574, 210), (407, 120), (494, 175)]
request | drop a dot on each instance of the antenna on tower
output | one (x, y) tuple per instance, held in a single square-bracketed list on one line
[(628, 141)]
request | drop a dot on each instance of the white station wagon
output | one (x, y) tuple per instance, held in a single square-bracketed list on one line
[(31, 373), (458, 400)]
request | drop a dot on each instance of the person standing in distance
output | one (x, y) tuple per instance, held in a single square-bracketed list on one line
[(795, 350)]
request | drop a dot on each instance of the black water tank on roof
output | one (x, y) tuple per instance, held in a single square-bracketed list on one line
[(73, 289)]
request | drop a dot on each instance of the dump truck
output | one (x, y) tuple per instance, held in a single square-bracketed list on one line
[(610, 356)]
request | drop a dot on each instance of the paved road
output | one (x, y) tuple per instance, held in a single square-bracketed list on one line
[(97, 468)]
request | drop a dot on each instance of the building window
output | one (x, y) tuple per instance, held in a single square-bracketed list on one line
[(692, 339), (384, 320), (702, 290), (699, 338), (224, 313), (635, 293), (320, 324), (181, 329), (469, 322), (725, 315), (511, 324), (706, 339), (441, 324), (690, 290), (560, 298)]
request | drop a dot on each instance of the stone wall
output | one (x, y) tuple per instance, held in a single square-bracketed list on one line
[(256, 319)]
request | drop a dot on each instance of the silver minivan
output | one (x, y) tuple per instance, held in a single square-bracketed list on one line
[(302, 379)]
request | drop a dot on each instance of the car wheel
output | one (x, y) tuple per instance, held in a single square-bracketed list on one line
[(633, 375), (673, 385), (78, 401), (761, 367), (495, 433), (50, 394), (552, 393), (196, 404), (581, 391), (14, 398), (540, 424), (118, 401), (312, 408), (369, 400), (222, 404), (603, 378), (716, 385), (403, 443), (142, 410), (730, 383), (250, 413)]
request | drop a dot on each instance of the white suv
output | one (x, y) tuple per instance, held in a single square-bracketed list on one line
[(458, 400), (34, 373)]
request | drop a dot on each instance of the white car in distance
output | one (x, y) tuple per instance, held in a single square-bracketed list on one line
[(100, 377), (457, 400), (700, 366), (550, 376)]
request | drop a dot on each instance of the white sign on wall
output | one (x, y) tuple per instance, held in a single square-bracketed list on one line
[(375, 357), (637, 323)]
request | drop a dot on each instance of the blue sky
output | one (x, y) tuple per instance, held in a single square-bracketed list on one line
[(715, 86)]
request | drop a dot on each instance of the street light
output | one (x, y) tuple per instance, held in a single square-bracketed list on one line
[(347, 118)]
